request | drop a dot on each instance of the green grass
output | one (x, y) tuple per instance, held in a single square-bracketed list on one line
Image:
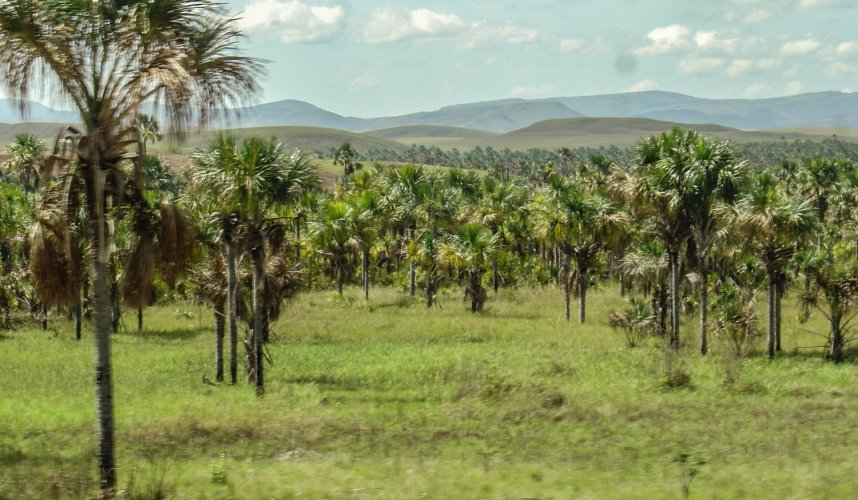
[(390, 400)]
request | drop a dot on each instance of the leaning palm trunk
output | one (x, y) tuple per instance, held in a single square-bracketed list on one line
[(258, 257)]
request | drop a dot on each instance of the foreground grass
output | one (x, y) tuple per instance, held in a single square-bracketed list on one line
[(389, 400)]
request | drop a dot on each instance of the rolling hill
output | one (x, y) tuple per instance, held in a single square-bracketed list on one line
[(428, 135), (305, 138), (818, 110)]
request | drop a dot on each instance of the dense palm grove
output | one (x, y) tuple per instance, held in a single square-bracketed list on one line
[(685, 226)]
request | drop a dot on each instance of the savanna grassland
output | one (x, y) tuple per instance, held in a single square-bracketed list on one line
[(387, 399)]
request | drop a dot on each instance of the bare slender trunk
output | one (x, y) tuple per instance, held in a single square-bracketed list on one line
[(495, 277), (412, 276), (220, 323), (622, 285), (582, 295), (365, 273), (231, 311), (673, 257), (568, 301), (298, 238), (102, 310), (704, 305), (772, 299), (837, 341), (430, 288), (77, 319), (139, 318), (258, 255), (44, 317), (778, 298)]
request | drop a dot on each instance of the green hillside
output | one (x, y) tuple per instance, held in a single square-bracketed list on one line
[(47, 131), (621, 132), (419, 134)]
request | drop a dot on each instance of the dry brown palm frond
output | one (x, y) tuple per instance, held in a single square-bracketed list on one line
[(54, 263), (176, 243), (137, 278)]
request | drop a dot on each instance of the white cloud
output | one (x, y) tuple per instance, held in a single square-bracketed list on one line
[(847, 49), (389, 25), (842, 70), (571, 45), (758, 16), (531, 90), (757, 90), (811, 4), (663, 40), (793, 88), (364, 82), (800, 47), (294, 21), (696, 65), (716, 41), (481, 34), (741, 66), (644, 85), (731, 15)]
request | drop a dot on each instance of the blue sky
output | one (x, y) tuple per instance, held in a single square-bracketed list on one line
[(375, 58)]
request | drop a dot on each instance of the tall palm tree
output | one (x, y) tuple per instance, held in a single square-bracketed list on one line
[(501, 201), (773, 224), (582, 224), (656, 190), (110, 59), (249, 178), (713, 176)]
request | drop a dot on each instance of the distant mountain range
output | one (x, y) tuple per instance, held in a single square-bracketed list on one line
[(821, 109)]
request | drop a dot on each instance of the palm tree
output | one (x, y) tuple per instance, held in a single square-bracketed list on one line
[(470, 250), (582, 224), (249, 178), (501, 201), (334, 231), (712, 177), (109, 60), (25, 158), (773, 224), (655, 190), (346, 156)]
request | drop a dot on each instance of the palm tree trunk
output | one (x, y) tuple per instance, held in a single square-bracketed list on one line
[(102, 312), (364, 265), (495, 277), (298, 238), (220, 322), (704, 305), (412, 276), (568, 303), (258, 256), (582, 295), (339, 277), (622, 285), (231, 309), (778, 298), (837, 341), (139, 318), (772, 299), (77, 319), (44, 317), (673, 257)]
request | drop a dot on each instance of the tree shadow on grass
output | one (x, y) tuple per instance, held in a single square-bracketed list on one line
[(818, 353), (177, 334)]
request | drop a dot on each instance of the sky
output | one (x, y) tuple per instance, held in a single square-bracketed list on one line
[(378, 58)]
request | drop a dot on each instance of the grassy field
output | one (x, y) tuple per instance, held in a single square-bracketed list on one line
[(390, 400)]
